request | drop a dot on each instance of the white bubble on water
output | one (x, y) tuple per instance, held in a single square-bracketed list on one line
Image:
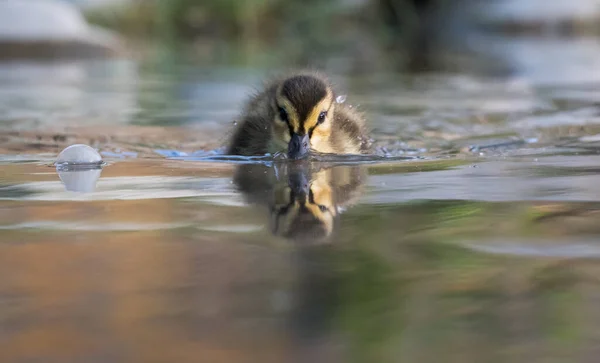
[(79, 154), (79, 167), (340, 99)]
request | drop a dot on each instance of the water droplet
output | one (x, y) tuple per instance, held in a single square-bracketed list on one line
[(340, 99)]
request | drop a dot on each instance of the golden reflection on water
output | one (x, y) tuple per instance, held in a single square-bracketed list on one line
[(133, 297), (303, 200), (148, 296), (146, 279)]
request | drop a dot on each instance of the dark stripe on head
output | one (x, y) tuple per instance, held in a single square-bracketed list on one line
[(304, 92)]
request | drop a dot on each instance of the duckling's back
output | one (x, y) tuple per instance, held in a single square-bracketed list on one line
[(253, 133)]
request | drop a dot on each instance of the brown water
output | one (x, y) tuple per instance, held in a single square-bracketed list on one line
[(484, 249)]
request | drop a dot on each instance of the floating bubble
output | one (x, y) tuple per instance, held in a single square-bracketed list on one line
[(79, 154), (340, 99), (79, 167)]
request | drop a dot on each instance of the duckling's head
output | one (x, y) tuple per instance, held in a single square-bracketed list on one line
[(304, 106)]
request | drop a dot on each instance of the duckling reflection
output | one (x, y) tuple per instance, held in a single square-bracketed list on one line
[(304, 200), (306, 209)]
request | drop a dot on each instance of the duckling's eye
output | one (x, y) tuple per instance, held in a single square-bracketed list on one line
[(283, 115), (322, 116)]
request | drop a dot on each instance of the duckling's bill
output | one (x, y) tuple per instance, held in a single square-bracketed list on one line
[(298, 146)]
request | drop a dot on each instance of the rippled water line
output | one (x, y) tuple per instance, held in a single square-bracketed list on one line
[(571, 249), (92, 227), (236, 228), (128, 188), (270, 160), (70, 166)]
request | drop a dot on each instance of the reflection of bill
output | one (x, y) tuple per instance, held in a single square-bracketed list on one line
[(303, 200), (79, 179)]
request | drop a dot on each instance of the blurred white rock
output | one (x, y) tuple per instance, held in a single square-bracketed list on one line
[(538, 11), (40, 20), (52, 28), (98, 4)]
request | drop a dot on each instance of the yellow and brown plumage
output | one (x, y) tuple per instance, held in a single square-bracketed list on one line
[(311, 208), (296, 114), (303, 200)]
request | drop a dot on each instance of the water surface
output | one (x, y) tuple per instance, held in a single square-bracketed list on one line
[(471, 237)]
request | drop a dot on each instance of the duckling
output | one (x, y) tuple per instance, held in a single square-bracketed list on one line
[(296, 114)]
